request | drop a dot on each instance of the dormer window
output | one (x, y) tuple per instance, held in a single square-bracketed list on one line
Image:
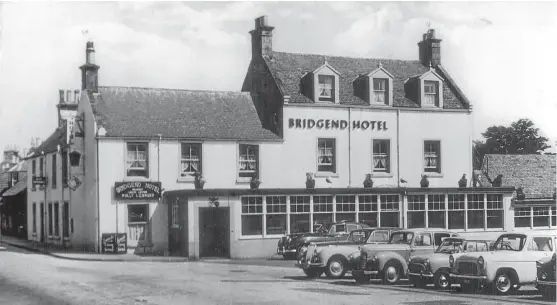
[(380, 90), (326, 88), (431, 93)]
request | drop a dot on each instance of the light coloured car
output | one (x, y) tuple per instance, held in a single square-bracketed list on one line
[(434, 268), (511, 263), (390, 261), (332, 256)]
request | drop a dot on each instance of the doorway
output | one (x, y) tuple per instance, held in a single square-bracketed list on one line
[(178, 227), (214, 232), (42, 238)]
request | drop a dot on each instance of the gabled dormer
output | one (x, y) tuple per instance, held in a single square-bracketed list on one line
[(376, 87), (322, 84), (425, 89)]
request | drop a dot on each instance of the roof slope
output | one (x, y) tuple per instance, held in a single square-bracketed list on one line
[(19, 187), (58, 137), (173, 113), (288, 69), (535, 174), (4, 181), (19, 167)]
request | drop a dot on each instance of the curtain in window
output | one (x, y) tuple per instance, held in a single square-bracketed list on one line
[(326, 86), (190, 160)]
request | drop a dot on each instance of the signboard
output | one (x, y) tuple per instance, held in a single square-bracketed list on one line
[(39, 181), (115, 243), (137, 190), (69, 129), (336, 124), (74, 183)]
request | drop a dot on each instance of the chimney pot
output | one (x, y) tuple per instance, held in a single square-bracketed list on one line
[(431, 33), (68, 96), (61, 91), (262, 38), (430, 49)]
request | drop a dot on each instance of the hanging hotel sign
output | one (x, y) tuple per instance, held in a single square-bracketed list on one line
[(336, 124), (137, 190)]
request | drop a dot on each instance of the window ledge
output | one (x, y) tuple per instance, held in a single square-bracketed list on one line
[(175, 227), (243, 179), (136, 178), (185, 179), (50, 237), (56, 237), (433, 175), (251, 237), (138, 223), (381, 175), (66, 239), (326, 174)]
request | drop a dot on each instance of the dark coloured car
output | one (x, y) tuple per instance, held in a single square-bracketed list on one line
[(289, 245), (545, 280)]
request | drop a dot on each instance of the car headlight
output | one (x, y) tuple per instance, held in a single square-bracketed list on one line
[(451, 261), (409, 260), (481, 262), (544, 276), (373, 258), (350, 257), (427, 262)]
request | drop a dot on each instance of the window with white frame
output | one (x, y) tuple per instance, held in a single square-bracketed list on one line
[(326, 161), (34, 217), (137, 160), (436, 211), (416, 211), (175, 214), (300, 214), (50, 218), (553, 214), (41, 167), (326, 89), (190, 159), (381, 158), (476, 211), (323, 209), (346, 208), (456, 211), (495, 213), (540, 216), (368, 213), (390, 211), (138, 213), (432, 156), (54, 176), (523, 217), (380, 90), (252, 215), (431, 93), (249, 161), (276, 215), (56, 219)]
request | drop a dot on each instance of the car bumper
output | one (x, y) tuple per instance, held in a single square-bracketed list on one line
[(420, 275), (364, 272), (468, 277), (306, 265), (545, 283), (282, 251)]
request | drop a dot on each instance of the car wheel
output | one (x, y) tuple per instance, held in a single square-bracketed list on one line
[(441, 280), (503, 283), (417, 282), (336, 268), (313, 272), (390, 273), (361, 279)]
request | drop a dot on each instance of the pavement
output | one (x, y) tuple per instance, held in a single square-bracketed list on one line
[(34, 278)]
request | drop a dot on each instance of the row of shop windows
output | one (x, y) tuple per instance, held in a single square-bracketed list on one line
[(275, 215), (535, 217), (52, 223)]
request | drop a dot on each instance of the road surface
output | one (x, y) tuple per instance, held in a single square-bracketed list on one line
[(30, 278)]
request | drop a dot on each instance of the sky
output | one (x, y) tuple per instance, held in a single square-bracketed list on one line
[(501, 54)]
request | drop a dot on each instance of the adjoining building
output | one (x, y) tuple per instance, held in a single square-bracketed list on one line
[(311, 138), (13, 207)]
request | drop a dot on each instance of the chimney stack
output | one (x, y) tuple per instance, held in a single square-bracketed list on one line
[(90, 71), (430, 49), (262, 38), (62, 100), (68, 96), (76, 96)]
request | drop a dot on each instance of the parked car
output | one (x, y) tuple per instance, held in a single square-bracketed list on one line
[(545, 280), (434, 268), (390, 261), (332, 256), (289, 245), (512, 263)]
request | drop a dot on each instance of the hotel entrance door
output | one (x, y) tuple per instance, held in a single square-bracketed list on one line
[(214, 232)]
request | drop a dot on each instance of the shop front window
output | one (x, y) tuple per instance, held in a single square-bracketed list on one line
[(416, 211), (346, 208), (541, 216), (252, 215), (522, 217), (276, 215), (436, 211), (456, 211), (389, 211), (495, 211), (138, 213), (476, 211), (299, 214), (368, 213), (323, 209)]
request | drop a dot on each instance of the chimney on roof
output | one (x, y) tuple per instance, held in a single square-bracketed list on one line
[(76, 96), (430, 49), (67, 106), (262, 38), (62, 99), (68, 96), (89, 70)]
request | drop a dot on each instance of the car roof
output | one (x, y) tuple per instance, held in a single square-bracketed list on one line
[(433, 230), (376, 228)]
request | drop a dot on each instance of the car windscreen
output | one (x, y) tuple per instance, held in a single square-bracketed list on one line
[(510, 243), (359, 236), (379, 236), (475, 246), (450, 246), (401, 238), (337, 229)]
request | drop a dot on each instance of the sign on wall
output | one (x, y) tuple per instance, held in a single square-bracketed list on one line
[(114, 243), (39, 181), (137, 190), (336, 124)]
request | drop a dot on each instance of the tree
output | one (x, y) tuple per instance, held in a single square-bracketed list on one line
[(519, 138)]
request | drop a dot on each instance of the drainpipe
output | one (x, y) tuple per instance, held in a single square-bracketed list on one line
[(159, 158), (98, 197), (471, 159), (349, 149), (398, 148)]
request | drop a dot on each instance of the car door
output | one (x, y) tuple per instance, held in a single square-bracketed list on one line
[(537, 248), (422, 244)]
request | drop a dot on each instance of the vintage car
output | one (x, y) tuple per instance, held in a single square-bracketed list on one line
[(545, 281), (289, 245), (332, 256), (390, 261), (510, 264), (434, 268)]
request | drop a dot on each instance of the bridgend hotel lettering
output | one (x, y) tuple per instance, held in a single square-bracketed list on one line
[(137, 190), (336, 124)]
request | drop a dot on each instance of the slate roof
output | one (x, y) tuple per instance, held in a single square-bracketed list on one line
[(19, 187), (288, 69), (173, 113), (58, 137), (535, 174), (4, 181)]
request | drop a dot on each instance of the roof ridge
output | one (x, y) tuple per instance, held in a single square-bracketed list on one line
[(176, 89), (352, 57)]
